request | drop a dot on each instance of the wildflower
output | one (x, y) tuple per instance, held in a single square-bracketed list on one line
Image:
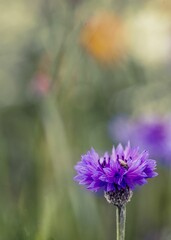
[(149, 36), (104, 37), (152, 132), (40, 84), (118, 172)]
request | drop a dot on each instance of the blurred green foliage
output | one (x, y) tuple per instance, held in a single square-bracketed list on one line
[(45, 125)]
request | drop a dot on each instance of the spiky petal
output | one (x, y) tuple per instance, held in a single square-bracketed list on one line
[(124, 168)]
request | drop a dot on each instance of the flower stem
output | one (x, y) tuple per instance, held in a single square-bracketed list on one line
[(120, 222)]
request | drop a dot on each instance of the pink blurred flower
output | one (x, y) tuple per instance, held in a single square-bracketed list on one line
[(40, 84)]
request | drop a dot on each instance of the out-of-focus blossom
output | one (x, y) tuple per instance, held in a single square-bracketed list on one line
[(104, 37), (122, 169), (150, 36), (40, 84), (153, 133)]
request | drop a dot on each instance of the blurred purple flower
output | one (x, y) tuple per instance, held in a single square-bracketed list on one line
[(122, 169), (153, 133)]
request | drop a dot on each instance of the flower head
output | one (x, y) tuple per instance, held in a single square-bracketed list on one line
[(149, 36), (104, 37), (40, 84), (152, 132), (121, 170)]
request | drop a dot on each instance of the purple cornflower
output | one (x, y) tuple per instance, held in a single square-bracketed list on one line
[(153, 133), (117, 174), (122, 169)]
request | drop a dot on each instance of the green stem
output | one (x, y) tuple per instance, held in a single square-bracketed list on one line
[(120, 222)]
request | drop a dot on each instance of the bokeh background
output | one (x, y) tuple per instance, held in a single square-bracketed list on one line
[(68, 68)]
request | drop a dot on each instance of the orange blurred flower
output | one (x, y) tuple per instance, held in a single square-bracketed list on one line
[(104, 37)]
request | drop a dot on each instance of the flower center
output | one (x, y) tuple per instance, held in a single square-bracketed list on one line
[(123, 163)]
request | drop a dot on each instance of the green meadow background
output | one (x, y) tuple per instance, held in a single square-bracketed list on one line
[(45, 125)]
